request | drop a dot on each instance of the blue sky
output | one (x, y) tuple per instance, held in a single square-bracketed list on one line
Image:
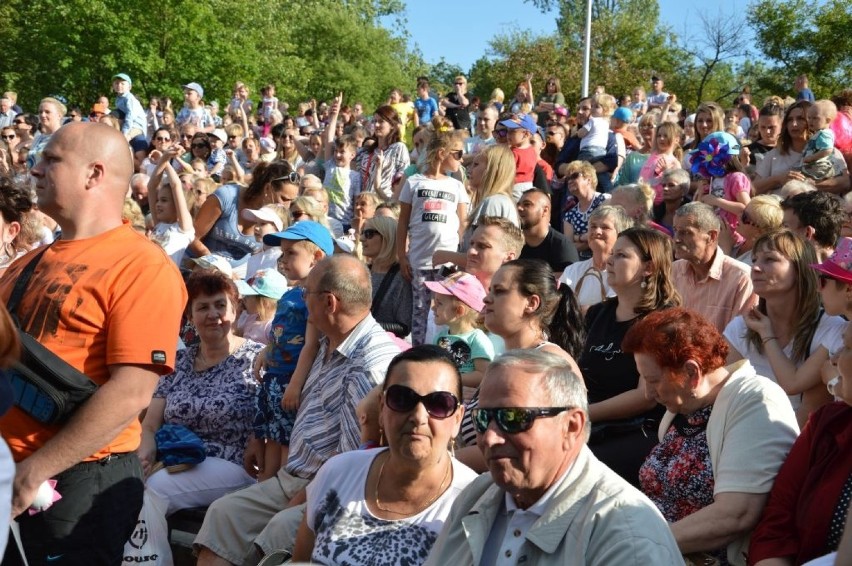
[(459, 30)]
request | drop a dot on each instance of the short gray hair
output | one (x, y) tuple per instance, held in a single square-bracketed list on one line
[(564, 388), (702, 215), (348, 279), (679, 176), (617, 214)]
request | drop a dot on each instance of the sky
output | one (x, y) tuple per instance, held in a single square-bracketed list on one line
[(434, 24)]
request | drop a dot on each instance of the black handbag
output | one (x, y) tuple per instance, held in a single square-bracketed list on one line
[(45, 386)]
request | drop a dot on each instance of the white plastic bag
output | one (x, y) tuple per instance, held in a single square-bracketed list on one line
[(149, 543)]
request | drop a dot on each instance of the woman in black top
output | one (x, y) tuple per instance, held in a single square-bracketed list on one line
[(623, 420)]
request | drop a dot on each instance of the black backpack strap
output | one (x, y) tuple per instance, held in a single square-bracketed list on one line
[(21, 283)]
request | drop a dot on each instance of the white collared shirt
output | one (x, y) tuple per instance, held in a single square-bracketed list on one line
[(509, 531)]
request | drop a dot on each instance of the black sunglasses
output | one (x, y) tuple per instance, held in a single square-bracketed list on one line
[(292, 177), (298, 213), (574, 176), (438, 404), (197, 145), (457, 154), (163, 139), (368, 233), (9, 137), (512, 420)]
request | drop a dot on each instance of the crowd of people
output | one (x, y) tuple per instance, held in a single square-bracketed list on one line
[(448, 332)]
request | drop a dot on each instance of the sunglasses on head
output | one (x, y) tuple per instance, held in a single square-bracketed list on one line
[(438, 404), (292, 177), (368, 233), (512, 420)]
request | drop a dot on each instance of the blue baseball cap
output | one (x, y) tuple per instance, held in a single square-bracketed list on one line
[(196, 87), (123, 77), (304, 230), (624, 114), (266, 283), (724, 138), (524, 121)]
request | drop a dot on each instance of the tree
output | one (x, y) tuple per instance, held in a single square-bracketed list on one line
[(309, 48), (801, 36)]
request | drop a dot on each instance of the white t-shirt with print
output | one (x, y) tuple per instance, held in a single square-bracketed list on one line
[(434, 223)]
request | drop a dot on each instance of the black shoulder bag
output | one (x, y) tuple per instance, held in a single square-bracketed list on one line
[(399, 329), (46, 387)]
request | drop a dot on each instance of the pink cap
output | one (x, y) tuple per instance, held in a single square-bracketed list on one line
[(463, 286), (839, 264)]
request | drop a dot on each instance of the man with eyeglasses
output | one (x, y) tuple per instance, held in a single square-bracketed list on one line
[(546, 499)]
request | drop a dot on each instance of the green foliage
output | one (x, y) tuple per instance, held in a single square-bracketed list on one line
[(799, 36), (309, 48)]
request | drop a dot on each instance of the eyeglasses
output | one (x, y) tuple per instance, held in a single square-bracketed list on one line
[(163, 139), (457, 154), (9, 137), (438, 404), (292, 177), (197, 145), (368, 233), (512, 420)]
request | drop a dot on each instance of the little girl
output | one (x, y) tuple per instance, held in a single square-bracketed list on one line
[(729, 194), (173, 229), (260, 293), (432, 206), (664, 155), (270, 219), (457, 302), (269, 102)]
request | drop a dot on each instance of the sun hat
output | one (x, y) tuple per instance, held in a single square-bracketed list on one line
[(839, 264), (196, 87), (265, 283), (264, 214), (213, 261), (463, 286), (304, 230)]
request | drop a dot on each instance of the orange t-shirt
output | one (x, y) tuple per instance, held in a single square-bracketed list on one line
[(115, 298)]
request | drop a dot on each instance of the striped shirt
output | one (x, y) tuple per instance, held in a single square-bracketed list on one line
[(326, 423)]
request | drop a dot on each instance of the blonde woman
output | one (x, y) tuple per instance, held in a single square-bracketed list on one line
[(392, 297), (307, 208)]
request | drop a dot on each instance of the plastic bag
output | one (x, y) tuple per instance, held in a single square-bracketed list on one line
[(149, 543)]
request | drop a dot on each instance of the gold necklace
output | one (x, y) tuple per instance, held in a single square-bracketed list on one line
[(202, 362), (434, 498)]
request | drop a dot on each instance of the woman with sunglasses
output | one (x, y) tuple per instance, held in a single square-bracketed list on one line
[(788, 336), (623, 419), (160, 142), (391, 292), (383, 160), (288, 150), (387, 505), (308, 208), (214, 159), (219, 225), (582, 182), (763, 214), (725, 434)]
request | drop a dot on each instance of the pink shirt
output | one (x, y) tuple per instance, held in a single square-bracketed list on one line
[(725, 293), (650, 172)]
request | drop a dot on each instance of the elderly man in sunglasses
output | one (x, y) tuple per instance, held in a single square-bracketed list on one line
[(547, 499)]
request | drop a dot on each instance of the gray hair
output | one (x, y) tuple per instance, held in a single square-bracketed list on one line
[(617, 214), (795, 187), (679, 176), (563, 387), (347, 279), (702, 215)]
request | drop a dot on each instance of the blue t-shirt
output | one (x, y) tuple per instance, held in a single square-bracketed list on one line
[(425, 109), (287, 333), (225, 238)]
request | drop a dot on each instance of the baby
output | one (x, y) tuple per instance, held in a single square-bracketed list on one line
[(817, 160), (367, 412)]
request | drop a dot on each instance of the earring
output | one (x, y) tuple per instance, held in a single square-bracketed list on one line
[(382, 437), (452, 447), (644, 284)]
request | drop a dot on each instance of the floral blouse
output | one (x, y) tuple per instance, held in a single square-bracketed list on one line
[(217, 404)]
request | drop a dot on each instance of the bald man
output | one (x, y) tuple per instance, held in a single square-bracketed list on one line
[(108, 302)]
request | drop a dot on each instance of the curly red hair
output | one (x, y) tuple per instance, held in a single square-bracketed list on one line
[(673, 336)]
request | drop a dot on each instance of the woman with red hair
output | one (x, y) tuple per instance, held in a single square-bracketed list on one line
[(723, 438)]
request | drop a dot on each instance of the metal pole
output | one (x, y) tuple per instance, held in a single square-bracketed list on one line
[(587, 49)]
